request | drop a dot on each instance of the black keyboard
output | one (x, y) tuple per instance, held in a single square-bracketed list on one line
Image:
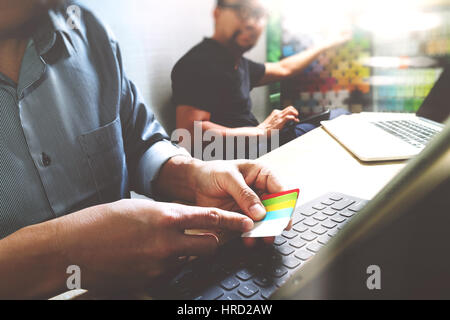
[(237, 272), (411, 132)]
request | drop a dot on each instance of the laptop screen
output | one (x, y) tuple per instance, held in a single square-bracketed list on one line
[(436, 106)]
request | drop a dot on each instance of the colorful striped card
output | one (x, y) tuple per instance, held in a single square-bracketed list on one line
[(279, 209)]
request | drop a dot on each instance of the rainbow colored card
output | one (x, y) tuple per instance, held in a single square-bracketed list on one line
[(279, 209)]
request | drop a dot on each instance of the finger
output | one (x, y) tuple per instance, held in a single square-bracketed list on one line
[(268, 240), (249, 242), (212, 218), (289, 227), (244, 196), (197, 245), (290, 111), (261, 177), (286, 119), (268, 181)]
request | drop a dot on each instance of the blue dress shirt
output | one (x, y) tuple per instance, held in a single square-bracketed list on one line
[(74, 130)]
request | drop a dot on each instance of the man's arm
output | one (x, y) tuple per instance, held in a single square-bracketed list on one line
[(290, 66), (125, 245), (295, 64), (188, 115), (30, 264)]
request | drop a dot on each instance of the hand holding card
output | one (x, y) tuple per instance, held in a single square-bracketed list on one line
[(279, 209)]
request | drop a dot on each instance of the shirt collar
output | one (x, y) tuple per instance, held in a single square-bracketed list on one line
[(46, 36)]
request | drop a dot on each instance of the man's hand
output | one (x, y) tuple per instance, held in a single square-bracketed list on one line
[(235, 186), (132, 243), (279, 118), (229, 185)]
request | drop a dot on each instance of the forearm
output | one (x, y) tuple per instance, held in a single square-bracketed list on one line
[(297, 63), (232, 132), (31, 265)]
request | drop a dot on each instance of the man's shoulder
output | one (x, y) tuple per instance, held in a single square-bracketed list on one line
[(80, 22), (197, 60)]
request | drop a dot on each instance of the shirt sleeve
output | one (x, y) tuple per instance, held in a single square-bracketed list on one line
[(193, 84), (257, 72), (147, 145)]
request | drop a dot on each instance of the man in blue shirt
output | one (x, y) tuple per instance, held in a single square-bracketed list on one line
[(75, 139)]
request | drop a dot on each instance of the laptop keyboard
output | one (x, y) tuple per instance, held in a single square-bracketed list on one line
[(237, 272), (411, 132)]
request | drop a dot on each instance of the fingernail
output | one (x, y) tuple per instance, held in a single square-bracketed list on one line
[(257, 211), (247, 225)]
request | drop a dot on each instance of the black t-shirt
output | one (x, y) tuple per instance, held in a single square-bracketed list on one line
[(206, 78)]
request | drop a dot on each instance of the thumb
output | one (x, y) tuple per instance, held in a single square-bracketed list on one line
[(245, 197)]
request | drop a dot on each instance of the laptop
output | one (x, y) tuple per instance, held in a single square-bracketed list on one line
[(336, 238), (401, 234), (394, 136)]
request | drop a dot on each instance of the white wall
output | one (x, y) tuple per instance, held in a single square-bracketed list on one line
[(154, 34)]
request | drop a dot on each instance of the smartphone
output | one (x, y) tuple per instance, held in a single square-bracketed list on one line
[(315, 119)]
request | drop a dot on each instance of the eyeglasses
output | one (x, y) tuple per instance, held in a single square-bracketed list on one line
[(246, 12)]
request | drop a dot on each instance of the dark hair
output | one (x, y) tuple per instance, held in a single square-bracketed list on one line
[(222, 2)]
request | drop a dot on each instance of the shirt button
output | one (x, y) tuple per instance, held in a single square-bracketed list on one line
[(46, 160)]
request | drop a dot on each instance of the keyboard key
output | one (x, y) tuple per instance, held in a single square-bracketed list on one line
[(333, 232), (329, 224), (336, 198), (356, 207), (291, 262), (282, 280), (309, 236), (329, 212), (285, 250), (315, 247), (319, 230), (230, 283), (244, 274), (310, 222), (297, 218), (266, 292), (338, 219), (297, 243), (211, 294), (289, 234), (279, 241), (323, 239), (231, 297), (263, 281), (319, 206), (308, 212), (327, 202), (347, 213), (303, 255), (341, 205), (300, 228), (275, 257), (279, 272), (248, 290), (320, 217)]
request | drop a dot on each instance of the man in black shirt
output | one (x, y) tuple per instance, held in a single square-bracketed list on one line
[(212, 82)]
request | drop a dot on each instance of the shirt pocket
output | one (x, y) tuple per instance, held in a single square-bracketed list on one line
[(105, 154)]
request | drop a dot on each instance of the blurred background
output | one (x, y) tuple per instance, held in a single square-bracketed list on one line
[(154, 35), (397, 52)]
